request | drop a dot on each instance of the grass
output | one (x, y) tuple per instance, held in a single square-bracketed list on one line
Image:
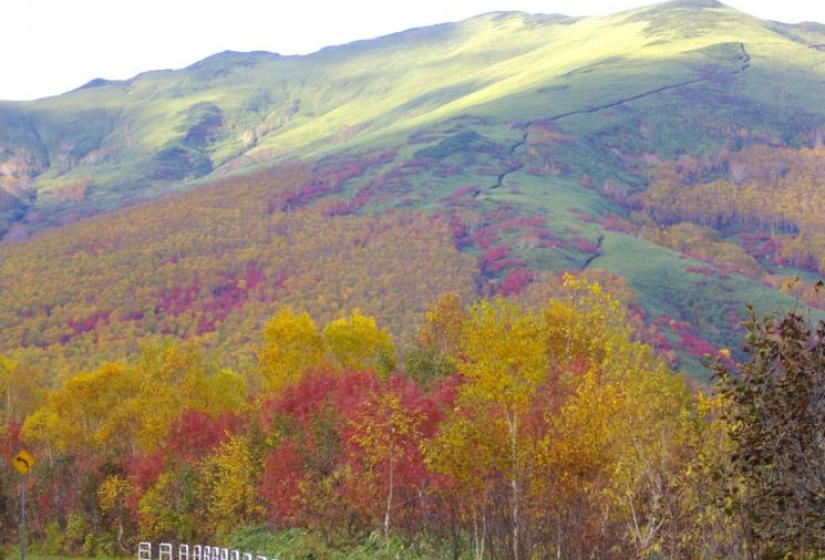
[(297, 544), (303, 545), (508, 67), (15, 555)]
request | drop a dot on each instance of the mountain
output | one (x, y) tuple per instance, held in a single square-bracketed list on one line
[(678, 146), (111, 142)]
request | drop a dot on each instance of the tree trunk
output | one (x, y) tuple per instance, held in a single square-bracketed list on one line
[(514, 484), (123, 548), (389, 502), (479, 534)]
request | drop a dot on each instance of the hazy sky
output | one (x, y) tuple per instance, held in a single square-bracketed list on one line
[(51, 46)]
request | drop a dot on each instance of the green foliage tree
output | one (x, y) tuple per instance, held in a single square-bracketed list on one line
[(776, 421)]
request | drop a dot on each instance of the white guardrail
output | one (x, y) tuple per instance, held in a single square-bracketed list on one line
[(166, 551)]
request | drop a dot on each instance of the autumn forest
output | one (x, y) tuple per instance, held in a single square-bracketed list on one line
[(516, 287), (505, 430)]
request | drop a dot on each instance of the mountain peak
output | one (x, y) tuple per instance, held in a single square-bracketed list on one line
[(699, 4), (240, 58), (679, 6), (98, 82), (684, 17)]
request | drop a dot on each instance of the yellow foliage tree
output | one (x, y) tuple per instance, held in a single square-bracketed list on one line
[(21, 390), (466, 452), (78, 416), (384, 430), (292, 344), (505, 362), (437, 341), (622, 419), (357, 343), (122, 409), (228, 488), (111, 497), (166, 509), (442, 326)]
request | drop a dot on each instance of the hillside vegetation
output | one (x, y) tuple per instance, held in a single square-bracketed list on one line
[(505, 431), (216, 264), (642, 144), (458, 292), (113, 142)]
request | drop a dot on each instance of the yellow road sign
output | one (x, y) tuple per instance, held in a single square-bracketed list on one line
[(23, 461)]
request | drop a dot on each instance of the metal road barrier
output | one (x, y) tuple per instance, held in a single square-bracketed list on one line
[(166, 551)]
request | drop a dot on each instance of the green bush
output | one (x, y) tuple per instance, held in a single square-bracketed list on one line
[(295, 544), (53, 541)]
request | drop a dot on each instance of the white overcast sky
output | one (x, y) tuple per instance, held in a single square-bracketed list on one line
[(51, 46)]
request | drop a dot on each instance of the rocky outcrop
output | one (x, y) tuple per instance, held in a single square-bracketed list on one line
[(18, 170)]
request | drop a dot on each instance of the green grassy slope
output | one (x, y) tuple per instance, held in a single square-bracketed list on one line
[(126, 140)]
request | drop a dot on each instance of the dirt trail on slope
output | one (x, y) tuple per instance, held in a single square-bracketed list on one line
[(519, 164), (745, 60), (595, 255)]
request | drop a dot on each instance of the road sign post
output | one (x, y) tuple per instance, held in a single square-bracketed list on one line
[(22, 463), (23, 536)]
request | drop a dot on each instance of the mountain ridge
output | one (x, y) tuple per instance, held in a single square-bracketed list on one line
[(664, 5)]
